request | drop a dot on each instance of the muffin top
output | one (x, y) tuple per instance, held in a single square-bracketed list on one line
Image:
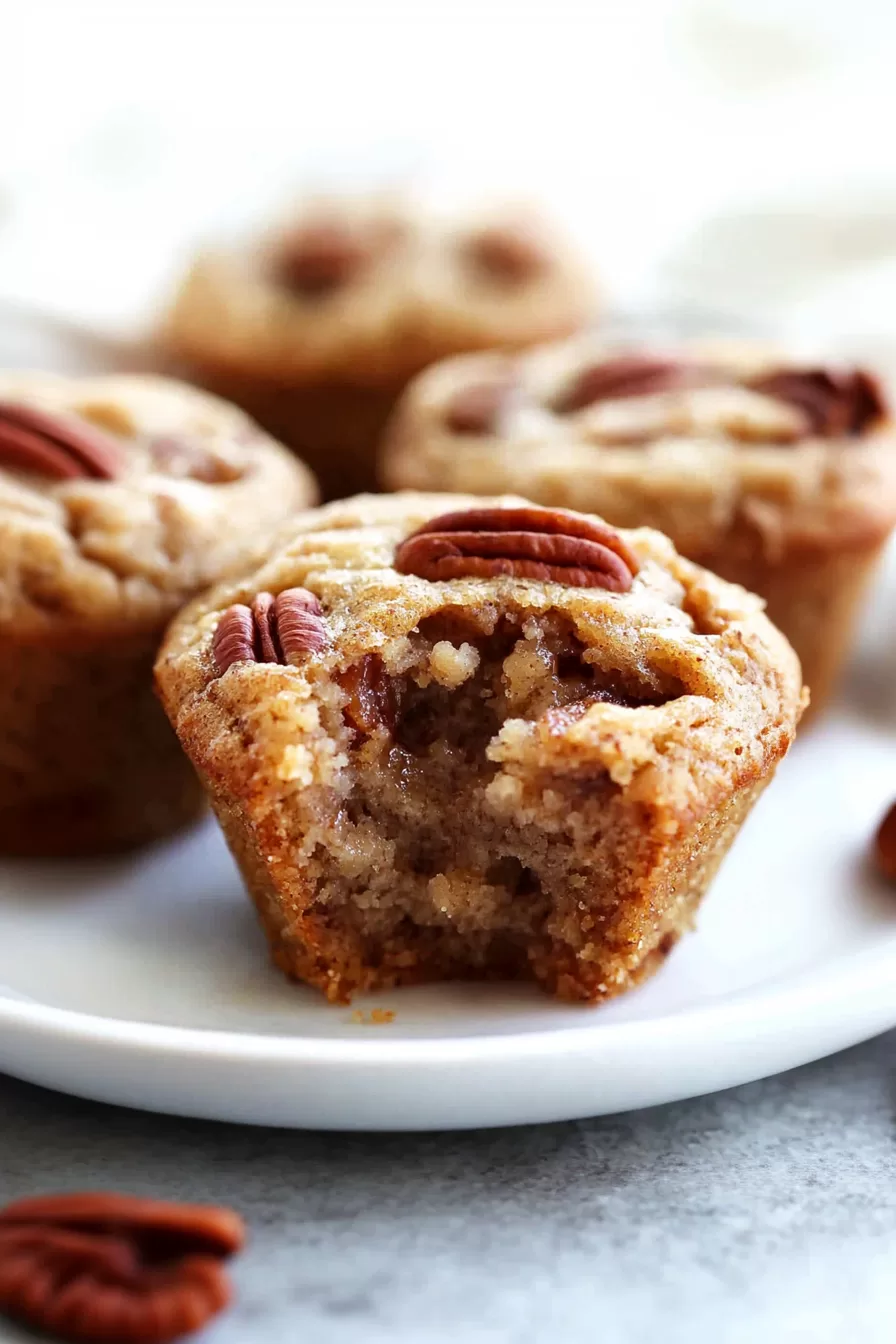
[(370, 291), (626, 658), (120, 497), (702, 438)]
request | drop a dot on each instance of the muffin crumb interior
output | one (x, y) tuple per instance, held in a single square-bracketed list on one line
[(419, 833)]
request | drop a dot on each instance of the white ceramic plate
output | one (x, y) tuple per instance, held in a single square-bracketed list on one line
[(147, 983)]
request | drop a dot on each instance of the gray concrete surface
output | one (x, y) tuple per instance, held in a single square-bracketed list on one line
[(764, 1215)]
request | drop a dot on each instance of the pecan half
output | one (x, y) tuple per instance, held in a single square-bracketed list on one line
[(272, 630), (885, 845), (97, 1268), (625, 376), (522, 543), (478, 407), (372, 701), (835, 403), (320, 257), (508, 253), (62, 447)]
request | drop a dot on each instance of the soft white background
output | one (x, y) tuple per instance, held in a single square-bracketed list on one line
[(733, 155)]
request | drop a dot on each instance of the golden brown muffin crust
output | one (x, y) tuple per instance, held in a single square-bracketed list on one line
[(481, 776), (738, 682)]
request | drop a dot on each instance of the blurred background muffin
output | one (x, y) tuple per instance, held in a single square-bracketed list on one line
[(120, 498), (316, 329)]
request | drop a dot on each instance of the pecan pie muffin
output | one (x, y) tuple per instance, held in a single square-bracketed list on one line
[(454, 738), (773, 474), (120, 498), (317, 328)]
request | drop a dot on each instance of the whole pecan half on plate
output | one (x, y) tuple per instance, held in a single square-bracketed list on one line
[(97, 1268), (272, 630), (62, 447), (521, 543)]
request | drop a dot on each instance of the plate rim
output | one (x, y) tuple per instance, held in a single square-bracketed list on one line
[(867, 970)]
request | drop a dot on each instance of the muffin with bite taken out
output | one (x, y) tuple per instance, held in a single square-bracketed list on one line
[(458, 738)]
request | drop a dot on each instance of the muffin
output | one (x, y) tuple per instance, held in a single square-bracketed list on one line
[(450, 738), (316, 329), (775, 475), (120, 498)]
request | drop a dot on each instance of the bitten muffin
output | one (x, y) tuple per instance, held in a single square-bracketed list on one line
[(316, 329), (449, 738), (120, 498), (775, 475)]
